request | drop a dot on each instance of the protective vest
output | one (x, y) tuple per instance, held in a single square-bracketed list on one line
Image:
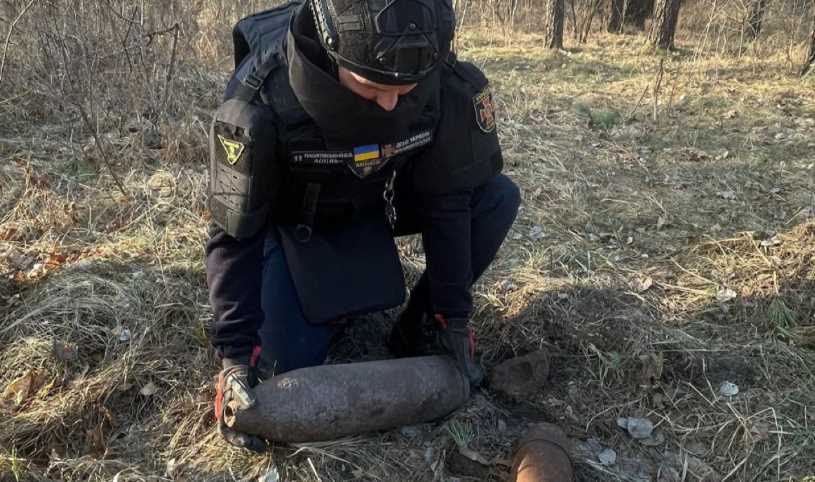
[(269, 159)]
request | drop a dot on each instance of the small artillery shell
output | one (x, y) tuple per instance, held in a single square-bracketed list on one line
[(543, 456), (332, 401)]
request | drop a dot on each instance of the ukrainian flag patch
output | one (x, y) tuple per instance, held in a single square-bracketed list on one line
[(366, 153)]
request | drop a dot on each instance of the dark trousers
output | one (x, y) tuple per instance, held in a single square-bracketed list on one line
[(290, 342)]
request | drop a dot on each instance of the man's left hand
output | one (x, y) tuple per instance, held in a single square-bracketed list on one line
[(235, 382)]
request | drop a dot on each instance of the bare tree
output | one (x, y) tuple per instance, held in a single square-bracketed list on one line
[(615, 20), (553, 16), (629, 12), (809, 64), (663, 29), (755, 18)]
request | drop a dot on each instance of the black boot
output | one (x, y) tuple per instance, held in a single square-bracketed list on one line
[(414, 334)]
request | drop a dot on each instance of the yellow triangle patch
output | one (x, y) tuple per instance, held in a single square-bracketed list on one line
[(233, 149)]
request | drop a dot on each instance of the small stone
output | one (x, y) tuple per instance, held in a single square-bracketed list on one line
[(429, 455), (149, 390), (607, 457), (725, 294), (410, 431), (728, 389), (271, 476), (502, 426), (536, 233), (124, 335), (594, 446), (656, 439), (521, 377), (638, 428), (508, 285), (727, 195)]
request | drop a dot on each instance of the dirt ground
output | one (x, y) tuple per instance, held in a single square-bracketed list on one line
[(663, 253)]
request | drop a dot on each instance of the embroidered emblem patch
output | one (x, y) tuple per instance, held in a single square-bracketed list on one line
[(484, 111), (233, 149)]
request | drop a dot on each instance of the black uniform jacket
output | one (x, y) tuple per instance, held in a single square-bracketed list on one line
[(464, 154)]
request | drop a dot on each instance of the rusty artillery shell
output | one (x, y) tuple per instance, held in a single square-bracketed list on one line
[(543, 456), (331, 401)]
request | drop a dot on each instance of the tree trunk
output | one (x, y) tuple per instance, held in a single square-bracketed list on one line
[(615, 21), (666, 17), (637, 11), (554, 14), (755, 19), (810, 62)]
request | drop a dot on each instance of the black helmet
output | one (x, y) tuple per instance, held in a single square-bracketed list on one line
[(386, 41)]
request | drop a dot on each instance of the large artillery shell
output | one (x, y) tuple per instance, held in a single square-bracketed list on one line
[(332, 401)]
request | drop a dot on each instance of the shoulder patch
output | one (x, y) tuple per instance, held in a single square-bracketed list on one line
[(484, 110), (232, 149)]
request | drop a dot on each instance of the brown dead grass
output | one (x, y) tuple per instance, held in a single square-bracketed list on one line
[(641, 210)]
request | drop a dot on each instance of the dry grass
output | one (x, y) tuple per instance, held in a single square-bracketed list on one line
[(665, 246)]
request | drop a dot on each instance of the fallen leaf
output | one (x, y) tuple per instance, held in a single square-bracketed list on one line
[(20, 389), (37, 271), (641, 285), (473, 455), (651, 367), (769, 242), (760, 431), (66, 352), (725, 294)]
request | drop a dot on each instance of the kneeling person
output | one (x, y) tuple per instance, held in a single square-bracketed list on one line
[(346, 123)]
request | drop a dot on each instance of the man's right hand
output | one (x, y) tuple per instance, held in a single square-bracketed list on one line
[(457, 338), (234, 384)]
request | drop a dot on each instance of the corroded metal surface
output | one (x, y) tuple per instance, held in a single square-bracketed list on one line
[(332, 401)]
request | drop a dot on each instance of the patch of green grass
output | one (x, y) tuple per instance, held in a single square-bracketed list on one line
[(781, 319), (14, 465), (462, 432), (601, 119)]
